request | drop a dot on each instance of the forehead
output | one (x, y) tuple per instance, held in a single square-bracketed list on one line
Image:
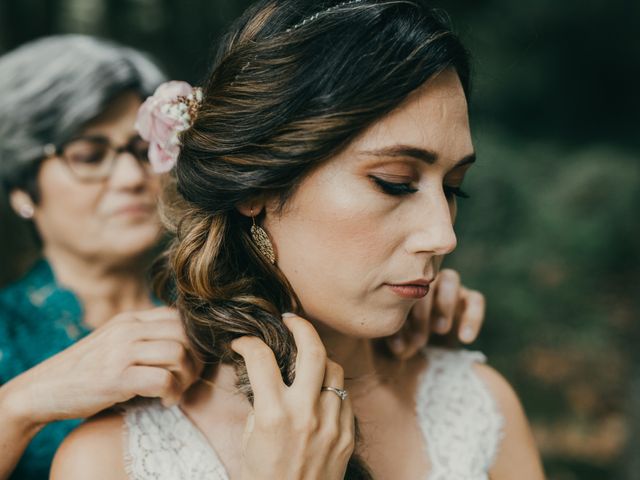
[(118, 118), (434, 117)]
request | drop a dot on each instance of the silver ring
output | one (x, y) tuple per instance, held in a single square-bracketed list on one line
[(343, 394)]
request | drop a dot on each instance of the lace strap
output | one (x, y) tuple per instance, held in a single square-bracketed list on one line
[(162, 444), (458, 416)]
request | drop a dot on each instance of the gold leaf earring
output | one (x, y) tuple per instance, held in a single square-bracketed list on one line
[(262, 241)]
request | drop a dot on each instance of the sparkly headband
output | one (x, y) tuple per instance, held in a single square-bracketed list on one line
[(322, 13), (170, 110), (304, 22)]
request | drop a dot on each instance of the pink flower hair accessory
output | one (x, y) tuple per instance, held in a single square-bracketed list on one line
[(170, 110)]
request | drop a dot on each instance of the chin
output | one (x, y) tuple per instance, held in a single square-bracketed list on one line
[(370, 325), (133, 245)]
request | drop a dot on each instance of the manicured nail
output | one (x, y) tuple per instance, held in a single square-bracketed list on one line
[(467, 334), (442, 325), (288, 315)]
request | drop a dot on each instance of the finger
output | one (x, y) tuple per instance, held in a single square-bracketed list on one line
[(160, 313), (330, 402), (414, 334), (262, 369), (333, 377), (396, 342), (248, 429), (159, 330), (446, 300), (311, 359), (170, 355), (418, 325), (164, 324), (152, 314), (472, 316), (346, 442), (148, 381)]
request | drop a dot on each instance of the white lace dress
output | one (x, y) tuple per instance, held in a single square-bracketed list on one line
[(458, 416)]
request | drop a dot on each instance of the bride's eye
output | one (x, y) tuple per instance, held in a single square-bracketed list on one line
[(393, 188), (451, 191)]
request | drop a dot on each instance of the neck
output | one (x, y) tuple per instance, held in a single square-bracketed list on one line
[(105, 289), (364, 368)]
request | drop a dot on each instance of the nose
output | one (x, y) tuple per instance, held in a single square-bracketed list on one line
[(433, 227), (128, 173)]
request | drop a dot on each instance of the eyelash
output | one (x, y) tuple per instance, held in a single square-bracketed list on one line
[(399, 189)]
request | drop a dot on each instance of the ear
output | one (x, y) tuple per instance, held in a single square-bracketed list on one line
[(252, 208), (22, 204)]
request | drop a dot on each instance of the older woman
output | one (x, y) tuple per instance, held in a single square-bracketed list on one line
[(76, 169), (314, 198), (78, 172)]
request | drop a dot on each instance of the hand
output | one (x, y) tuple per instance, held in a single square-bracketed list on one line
[(449, 308), (295, 432), (142, 353)]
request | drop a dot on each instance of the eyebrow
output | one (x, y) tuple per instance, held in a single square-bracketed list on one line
[(100, 137), (406, 151)]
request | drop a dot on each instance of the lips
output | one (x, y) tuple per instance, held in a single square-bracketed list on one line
[(410, 291), (414, 289)]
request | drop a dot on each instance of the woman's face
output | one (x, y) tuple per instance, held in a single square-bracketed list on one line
[(109, 220), (379, 214)]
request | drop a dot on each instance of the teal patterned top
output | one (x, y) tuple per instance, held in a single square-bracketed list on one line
[(38, 318)]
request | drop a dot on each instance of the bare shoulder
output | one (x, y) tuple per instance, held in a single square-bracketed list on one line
[(93, 450), (517, 455)]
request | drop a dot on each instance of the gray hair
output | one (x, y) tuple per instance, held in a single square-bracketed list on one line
[(51, 87)]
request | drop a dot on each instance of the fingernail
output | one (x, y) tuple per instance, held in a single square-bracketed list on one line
[(467, 334), (288, 315), (442, 324)]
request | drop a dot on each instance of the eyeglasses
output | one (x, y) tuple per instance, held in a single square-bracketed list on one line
[(93, 158)]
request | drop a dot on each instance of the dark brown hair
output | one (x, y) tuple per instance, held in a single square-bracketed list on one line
[(294, 81)]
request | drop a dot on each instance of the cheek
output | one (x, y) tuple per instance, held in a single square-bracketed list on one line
[(331, 246), (329, 230), (66, 206)]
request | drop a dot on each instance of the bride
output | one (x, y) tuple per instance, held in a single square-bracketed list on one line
[(313, 201)]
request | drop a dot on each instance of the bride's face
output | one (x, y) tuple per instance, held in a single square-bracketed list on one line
[(379, 214)]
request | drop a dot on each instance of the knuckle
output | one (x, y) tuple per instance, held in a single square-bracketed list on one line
[(165, 381), (335, 369), (272, 419), (126, 331), (306, 424), (121, 356), (331, 432), (179, 353), (121, 317), (346, 445)]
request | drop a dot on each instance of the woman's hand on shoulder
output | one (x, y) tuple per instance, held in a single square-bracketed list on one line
[(134, 354), (449, 309), (517, 455), (93, 450), (295, 431)]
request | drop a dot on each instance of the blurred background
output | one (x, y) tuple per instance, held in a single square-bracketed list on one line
[(550, 233)]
